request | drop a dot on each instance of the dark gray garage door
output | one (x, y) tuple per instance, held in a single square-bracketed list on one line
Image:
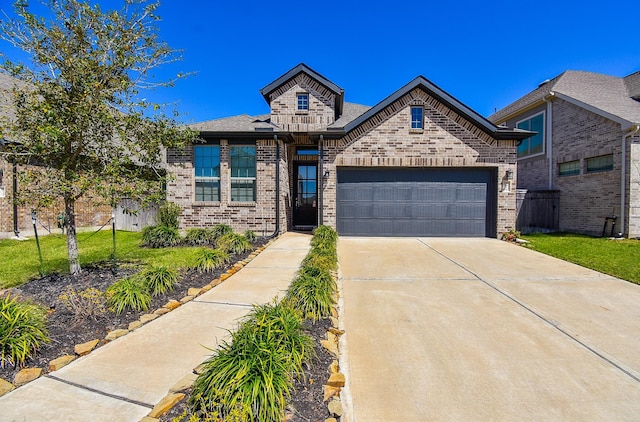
[(416, 202)]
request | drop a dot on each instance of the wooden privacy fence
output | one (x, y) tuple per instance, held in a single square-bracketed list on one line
[(130, 217), (537, 211)]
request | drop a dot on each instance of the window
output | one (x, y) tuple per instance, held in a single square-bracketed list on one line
[(569, 168), (207, 172), (243, 173), (601, 163), (417, 114), (306, 151), (303, 102), (535, 144)]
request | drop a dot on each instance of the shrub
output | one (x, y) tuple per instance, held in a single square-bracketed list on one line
[(312, 292), (88, 303), (220, 230), (234, 243), (160, 236), (199, 237), (326, 261), (128, 293), (253, 372), (23, 328), (250, 235), (168, 215), (324, 235), (209, 260), (159, 279)]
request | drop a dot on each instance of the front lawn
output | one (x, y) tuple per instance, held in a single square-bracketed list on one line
[(19, 260), (619, 258)]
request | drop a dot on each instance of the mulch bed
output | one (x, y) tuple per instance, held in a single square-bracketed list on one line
[(66, 330)]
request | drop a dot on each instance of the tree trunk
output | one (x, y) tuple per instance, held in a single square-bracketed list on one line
[(72, 240)]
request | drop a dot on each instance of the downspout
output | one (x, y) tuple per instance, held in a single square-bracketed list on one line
[(549, 136), (276, 232), (16, 229), (623, 178), (320, 176)]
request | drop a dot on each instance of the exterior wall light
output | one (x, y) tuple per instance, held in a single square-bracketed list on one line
[(326, 174), (509, 174)]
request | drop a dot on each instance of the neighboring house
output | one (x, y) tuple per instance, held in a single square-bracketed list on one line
[(587, 148), (419, 163), (17, 219)]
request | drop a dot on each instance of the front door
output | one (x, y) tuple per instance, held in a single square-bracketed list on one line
[(305, 207)]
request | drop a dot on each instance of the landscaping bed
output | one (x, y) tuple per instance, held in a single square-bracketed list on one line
[(66, 330)]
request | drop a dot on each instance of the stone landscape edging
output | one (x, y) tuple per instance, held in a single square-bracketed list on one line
[(27, 375)]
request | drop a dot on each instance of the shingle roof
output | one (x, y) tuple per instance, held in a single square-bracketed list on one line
[(610, 95), (7, 84), (242, 123), (350, 112)]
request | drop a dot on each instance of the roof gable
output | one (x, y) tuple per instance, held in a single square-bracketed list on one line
[(449, 101), (609, 96), (303, 68)]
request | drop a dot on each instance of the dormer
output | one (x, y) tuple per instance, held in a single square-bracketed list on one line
[(302, 100)]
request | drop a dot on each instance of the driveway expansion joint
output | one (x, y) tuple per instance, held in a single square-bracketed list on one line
[(600, 354), (213, 302), (96, 391)]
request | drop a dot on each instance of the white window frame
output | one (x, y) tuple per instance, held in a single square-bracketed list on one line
[(544, 134)]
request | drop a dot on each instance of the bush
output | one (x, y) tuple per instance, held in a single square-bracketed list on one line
[(88, 303), (168, 215), (326, 261), (128, 293), (23, 328), (209, 260), (160, 236), (250, 235), (234, 243), (220, 230), (324, 235), (253, 372), (312, 292), (199, 237), (159, 279)]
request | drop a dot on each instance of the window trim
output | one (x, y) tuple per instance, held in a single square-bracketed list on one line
[(544, 134), (572, 173), (302, 110), (240, 179), (601, 169), (197, 178), (416, 129)]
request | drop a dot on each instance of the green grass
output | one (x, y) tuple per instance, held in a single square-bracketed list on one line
[(618, 258), (19, 260)]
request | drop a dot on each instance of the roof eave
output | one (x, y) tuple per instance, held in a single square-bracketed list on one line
[(301, 68), (440, 95), (254, 135)]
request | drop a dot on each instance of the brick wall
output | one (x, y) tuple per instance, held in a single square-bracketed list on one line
[(448, 140), (90, 212), (258, 216), (284, 106), (585, 199)]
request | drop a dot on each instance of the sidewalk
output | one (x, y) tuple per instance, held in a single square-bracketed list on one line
[(125, 379)]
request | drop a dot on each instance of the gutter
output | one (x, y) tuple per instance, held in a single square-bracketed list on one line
[(276, 232), (549, 135), (623, 177)]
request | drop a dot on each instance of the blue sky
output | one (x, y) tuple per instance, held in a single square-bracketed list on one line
[(486, 54)]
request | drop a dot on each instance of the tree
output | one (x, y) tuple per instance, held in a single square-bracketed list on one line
[(79, 116)]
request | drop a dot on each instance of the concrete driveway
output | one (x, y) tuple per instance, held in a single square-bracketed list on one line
[(479, 329)]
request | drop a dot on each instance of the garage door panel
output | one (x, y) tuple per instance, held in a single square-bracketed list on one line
[(405, 202)]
